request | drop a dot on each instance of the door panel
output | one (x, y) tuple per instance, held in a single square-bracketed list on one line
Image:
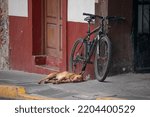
[(52, 8), (53, 29), (51, 42)]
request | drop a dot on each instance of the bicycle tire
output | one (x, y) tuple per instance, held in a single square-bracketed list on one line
[(100, 72), (72, 62)]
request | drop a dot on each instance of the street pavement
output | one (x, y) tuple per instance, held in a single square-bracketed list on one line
[(129, 86)]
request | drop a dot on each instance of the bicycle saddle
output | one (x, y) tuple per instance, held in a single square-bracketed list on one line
[(89, 19)]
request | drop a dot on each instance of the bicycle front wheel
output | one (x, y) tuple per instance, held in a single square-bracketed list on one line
[(102, 58), (77, 56)]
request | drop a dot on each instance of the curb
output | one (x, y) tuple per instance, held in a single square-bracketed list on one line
[(19, 92), (110, 98)]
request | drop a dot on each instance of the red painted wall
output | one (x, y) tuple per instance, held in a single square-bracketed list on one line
[(20, 43), (74, 31), (20, 29)]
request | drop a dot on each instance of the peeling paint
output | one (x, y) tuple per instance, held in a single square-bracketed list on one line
[(4, 36)]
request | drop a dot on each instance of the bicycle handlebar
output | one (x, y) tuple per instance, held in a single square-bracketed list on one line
[(92, 16), (115, 18)]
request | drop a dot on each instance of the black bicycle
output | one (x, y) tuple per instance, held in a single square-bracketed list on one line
[(84, 48)]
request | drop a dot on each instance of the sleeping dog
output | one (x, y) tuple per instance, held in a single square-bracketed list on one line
[(62, 77)]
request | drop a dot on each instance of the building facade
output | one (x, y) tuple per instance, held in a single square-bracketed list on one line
[(4, 36), (42, 32)]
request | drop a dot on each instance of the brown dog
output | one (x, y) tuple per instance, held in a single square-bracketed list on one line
[(62, 77)]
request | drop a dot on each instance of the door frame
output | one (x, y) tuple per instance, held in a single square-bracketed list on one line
[(135, 38), (135, 16), (64, 62), (64, 36)]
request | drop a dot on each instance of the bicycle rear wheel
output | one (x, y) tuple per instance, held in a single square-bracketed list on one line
[(77, 56), (102, 58)]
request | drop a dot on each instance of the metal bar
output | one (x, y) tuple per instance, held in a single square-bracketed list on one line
[(149, 20), (142, 16), (144, 2)]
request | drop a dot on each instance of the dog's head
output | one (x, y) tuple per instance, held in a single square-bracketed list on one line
[(77, 78)]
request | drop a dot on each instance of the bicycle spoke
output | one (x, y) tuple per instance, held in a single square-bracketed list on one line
[(78, 56)]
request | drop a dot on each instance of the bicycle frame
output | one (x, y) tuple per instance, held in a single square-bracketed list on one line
[(100, 30), (91, 45)]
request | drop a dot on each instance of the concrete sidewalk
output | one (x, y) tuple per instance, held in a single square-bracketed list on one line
[(22, 85)]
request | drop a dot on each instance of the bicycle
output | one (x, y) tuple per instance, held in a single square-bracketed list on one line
[(84, 48)]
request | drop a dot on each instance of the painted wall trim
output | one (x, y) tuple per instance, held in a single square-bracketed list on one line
[(18, 8), (77, 7)]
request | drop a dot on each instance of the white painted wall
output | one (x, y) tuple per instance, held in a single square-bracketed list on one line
[(77, 7), (18, 8)]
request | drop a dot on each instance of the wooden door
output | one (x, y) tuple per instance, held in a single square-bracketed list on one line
[(53, 29)]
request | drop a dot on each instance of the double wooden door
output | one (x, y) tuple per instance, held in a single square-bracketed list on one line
[(142, 35)]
